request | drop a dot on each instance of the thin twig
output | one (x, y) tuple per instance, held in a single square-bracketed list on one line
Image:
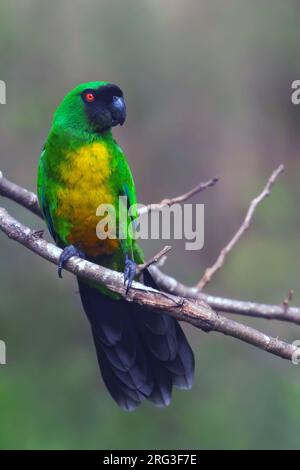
[(154, 260), (209, 273), (178, 199), (288, 299), (199, 314)]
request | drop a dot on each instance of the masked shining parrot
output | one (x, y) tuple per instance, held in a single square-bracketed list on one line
[(141, 354)]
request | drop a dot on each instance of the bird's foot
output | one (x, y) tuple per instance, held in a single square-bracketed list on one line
[(129, 272), (67, 253)]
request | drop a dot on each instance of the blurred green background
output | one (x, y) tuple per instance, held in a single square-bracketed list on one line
[(208, 87)]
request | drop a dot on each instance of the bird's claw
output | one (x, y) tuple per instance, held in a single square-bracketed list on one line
[(66, 254), (129, 272)]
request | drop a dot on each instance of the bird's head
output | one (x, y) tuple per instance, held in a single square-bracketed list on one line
[(92, 107)]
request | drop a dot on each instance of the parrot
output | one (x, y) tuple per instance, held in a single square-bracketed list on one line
[(141, 354)]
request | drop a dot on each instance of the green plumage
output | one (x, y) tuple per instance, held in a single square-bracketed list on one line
[(80, 169), (141, 355)]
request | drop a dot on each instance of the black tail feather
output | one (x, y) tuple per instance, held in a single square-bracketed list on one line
[(141, 354), (183, 366), (162, 390)]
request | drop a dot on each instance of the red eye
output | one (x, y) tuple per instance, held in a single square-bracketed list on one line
[(89, 97)]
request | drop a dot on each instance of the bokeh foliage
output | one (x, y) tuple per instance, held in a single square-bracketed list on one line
[(207, 85)]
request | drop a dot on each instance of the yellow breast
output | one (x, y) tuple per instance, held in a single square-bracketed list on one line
[(84, 186)]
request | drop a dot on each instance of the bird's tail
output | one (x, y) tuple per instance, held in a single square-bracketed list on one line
[(141, 354)]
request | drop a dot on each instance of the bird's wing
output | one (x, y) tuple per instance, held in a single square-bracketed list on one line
[(43, 201)]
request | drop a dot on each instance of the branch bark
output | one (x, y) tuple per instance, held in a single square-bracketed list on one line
[(199, 314), (222, 304), (20, 195)]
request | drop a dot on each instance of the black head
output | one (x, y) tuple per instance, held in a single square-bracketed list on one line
[(105, 106)]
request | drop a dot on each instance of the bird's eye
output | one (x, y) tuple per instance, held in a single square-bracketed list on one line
[(89, 97), (115, 98)]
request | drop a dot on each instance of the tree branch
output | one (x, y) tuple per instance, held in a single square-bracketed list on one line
[(199, 314), (221, 304), (20, 195), (154, 260), (211, 271), (169, 284), (178, 199)]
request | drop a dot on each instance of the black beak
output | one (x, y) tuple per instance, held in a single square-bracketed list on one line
[(118, 111)]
